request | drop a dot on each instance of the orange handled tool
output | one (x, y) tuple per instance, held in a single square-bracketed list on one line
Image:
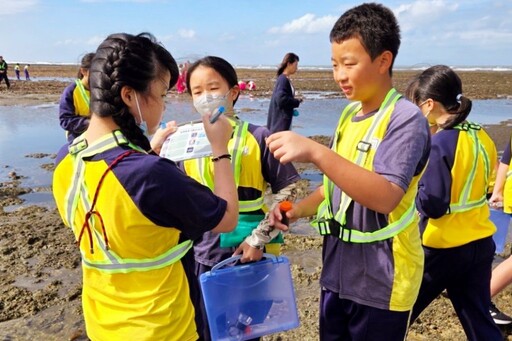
[(285, 206)]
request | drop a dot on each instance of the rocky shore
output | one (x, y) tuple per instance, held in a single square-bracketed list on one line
[(40, 277)]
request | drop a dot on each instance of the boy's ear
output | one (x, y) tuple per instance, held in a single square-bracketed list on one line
[(385, 61)]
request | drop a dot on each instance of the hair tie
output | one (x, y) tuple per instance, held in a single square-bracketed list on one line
[(459, 96)]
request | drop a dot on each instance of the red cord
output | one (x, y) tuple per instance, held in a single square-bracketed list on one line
[(92, 212)]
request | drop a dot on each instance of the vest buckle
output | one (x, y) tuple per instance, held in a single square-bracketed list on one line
[(363, 146)]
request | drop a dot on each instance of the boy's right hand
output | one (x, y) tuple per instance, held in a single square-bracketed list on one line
[(218, 133), (275, 217), (287, 146)]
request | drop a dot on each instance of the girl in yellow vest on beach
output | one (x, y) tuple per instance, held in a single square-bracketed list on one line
[(213, 83), (74, 113), (134, 214), (452, 203)]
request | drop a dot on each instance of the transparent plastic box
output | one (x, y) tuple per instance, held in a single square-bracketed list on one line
[(502, 222), (249, 300)]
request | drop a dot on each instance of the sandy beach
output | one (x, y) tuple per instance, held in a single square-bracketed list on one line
[(40, 276)]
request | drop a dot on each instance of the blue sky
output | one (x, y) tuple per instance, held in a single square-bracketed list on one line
[(260, 32)]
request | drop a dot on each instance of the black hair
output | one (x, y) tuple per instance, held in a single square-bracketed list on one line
[(220, 65), (288, 58), (374, 25), (127, 60), (443, 85), (85, 63)]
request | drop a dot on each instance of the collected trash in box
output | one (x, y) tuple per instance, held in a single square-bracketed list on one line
[(249, 300)]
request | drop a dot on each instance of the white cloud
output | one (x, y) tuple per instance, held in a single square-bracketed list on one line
[(18, 6), (95, 40), (227, 37), (186, 33), (487, 36), (308, 23), (420, 12), (67, 42)]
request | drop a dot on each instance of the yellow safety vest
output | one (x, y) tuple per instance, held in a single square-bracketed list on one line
[(107, 261), (363, 155), (464, 201), (201, 169), (467, 218), (507, 191), (81, 99)]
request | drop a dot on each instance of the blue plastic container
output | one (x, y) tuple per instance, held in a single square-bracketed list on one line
[(502, 222), (249, 300)]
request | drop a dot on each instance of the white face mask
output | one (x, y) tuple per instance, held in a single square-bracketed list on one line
[(207, 103), (142, 125)]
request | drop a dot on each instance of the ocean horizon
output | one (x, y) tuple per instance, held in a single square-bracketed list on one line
[(415, 67)]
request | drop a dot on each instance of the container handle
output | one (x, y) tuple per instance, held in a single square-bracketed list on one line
[(234, 259)]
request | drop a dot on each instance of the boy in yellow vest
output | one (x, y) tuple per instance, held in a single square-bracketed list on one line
[(372, 254)]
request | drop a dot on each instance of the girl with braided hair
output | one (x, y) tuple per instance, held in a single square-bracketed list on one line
[(134, 214)]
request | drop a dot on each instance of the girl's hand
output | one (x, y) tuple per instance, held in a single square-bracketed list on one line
[(218, 133), (249, 253), (161, 134)]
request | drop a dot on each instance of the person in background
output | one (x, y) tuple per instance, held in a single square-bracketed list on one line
[(3, 72), (251, 85), (17, 70), (212, 82), (134, 214), (502, 197), (242, 85), (372, 254), (283, 100), (452, 203), (74, 112), (27, 73), (180, 85)]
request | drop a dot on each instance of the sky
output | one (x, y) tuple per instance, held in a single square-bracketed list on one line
[(252, 33)]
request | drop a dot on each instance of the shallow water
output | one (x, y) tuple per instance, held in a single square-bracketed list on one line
[(26, 130)]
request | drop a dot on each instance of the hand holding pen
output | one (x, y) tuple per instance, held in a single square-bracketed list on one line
[(216, 114)]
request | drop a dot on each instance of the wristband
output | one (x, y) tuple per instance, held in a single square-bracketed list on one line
[(223, 156)]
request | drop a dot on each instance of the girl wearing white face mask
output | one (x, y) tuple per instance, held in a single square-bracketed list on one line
[(213, 83), (451, 200)]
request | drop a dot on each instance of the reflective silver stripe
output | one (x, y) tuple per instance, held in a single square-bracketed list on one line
[(467, 206), (113, 263), (324, 211), (99, 239), (251, 205), (109, 142), (391, 230), (83, 93), (464, 204), (131, 265), (388, 103), (237, 151)]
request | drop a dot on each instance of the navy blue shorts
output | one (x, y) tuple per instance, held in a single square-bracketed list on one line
[(342, 319)]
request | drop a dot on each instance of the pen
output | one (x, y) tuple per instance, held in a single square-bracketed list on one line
[(216, 114)]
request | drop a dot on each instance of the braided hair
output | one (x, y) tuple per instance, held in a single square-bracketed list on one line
[(127, 60)]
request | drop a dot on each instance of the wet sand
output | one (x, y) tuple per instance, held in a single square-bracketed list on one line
[(40, 276)]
